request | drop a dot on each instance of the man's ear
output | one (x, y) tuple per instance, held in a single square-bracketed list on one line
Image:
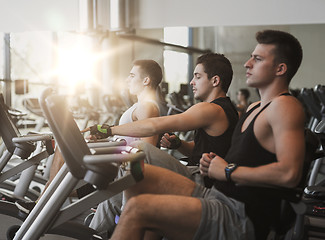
[(215, 80), (282, 69), (146, 81)]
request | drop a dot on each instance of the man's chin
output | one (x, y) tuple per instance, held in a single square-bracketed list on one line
[(249, 83), (197, 98)]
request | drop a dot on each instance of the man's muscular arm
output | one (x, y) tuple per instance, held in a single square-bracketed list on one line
[(201, 115)]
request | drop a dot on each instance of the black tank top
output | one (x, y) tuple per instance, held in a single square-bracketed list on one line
[(246, 150), (204, 143), (262, 204)]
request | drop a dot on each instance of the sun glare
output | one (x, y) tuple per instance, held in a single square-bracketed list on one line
[(76, 66)]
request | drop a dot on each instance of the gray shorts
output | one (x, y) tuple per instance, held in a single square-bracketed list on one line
[(222, 217)]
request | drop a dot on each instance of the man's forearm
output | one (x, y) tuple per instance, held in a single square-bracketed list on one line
[(186, 148), (270, 174), (141, 128)]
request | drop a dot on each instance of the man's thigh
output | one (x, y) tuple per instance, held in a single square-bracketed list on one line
[(157, 157)]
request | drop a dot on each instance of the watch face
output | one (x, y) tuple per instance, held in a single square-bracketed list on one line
[(229, 169), (231, 165)]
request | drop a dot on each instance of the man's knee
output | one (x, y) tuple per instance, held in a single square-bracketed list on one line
[(141, 145), (136, 206), (147, 148)]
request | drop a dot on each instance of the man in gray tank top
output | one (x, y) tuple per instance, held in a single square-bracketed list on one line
[(143, 82)]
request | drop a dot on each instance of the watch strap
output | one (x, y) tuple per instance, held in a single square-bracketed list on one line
[(229, 170)]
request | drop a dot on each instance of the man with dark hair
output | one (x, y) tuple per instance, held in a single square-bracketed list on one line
[(143, 82), (267, 149), (291, 56), (213, 120), (151, 69), (220, 67)]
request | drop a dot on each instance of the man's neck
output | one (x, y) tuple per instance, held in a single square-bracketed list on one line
[(269, 94), (211, 97), (146, 95)]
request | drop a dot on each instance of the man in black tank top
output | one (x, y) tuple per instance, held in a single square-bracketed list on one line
[(268, 142), (267, 148), (213, 119)]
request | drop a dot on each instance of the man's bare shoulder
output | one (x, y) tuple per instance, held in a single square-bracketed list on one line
[(206, 108), (146, 109), (206, 115), (252, 105), (288, 103), (286, 108), (147, 104)]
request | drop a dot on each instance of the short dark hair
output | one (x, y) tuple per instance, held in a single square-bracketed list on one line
[(150, 68), (217, 64), (287, 49)]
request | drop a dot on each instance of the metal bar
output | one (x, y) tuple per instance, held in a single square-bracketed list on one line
[(42, 202), (93, 199), (7, 69), (157, 42), (50, 210), (24, 165), (4, 160)]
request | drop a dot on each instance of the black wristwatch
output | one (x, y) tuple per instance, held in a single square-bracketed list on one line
[(229, 169)]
